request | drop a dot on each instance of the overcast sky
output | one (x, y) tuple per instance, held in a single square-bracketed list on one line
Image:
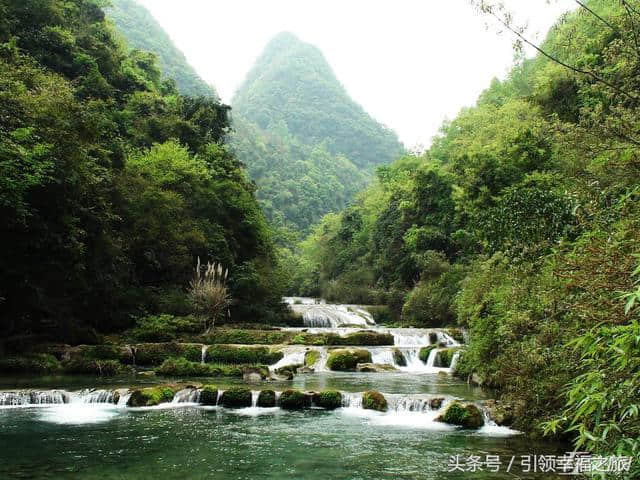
[(410, 63)]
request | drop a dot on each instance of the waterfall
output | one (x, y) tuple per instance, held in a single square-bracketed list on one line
[(187, 395), (351, 400), (411, 403), (29, 397), (93, 396), (454, 361), (254, 397), (124, 399), (292, 355), (431, 360), (219, 397), (332, 316), (203, 354)]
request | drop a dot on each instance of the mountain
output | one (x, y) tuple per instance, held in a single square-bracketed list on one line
[(305, 142), (143, 32)]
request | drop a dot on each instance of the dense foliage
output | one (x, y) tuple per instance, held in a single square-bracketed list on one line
[(144, 33), (521, 224), (111, 183), (308, 146)]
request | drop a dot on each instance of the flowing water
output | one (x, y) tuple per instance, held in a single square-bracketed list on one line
[(81, 428)]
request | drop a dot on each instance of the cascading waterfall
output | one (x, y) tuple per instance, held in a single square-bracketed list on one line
[(94, 396), (187, 395), (29, 397), (293, 355), (254, 397), (332, 316), (351, 400)]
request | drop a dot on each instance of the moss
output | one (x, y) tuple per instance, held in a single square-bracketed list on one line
[(331, 399), (398, 358), (425, 351), (374, 400), (148, 397), (236, 397), (311, 357), (293, 400), (267, 398), (209, 395), (37, 363), (242, 355), (464, 415), (346, 360), (316, 339), (380, 313), (181, 367), (361, 338)]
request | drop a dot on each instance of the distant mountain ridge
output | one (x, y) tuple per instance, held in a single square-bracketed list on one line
[(143, 32), (309, 147)]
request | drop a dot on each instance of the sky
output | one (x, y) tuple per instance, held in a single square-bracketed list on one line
[(410, 63)]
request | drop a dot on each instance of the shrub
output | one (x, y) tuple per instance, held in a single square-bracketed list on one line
[(374, 400), (293, 400), (209, 395), (246, 336), (344, 360), (91, 366), (36, 363), (267, 398), (331, 399), (208, 293), (236, 397), (163, 328)]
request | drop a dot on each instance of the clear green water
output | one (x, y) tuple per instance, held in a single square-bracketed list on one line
[(78, 441)]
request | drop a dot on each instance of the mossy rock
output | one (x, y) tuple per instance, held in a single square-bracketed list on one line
[(148, 397), (209, 395), (445, 357), (231, 354), (267, 399), (236, 397), (398, 358), (464, 415), (425, 352), (433, 338), (153, 354), (311, 357), (293, 400), (362, 338), (375, 368), (331, 399), (374, 400), (347, 360)]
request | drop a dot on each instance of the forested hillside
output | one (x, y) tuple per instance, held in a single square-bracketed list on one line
[(521, 224), (142, 31), (112, 183), (308, 146)]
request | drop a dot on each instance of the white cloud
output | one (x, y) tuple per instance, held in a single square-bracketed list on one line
[(410, 63)]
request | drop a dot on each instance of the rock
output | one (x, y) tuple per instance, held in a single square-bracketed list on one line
[(374, 400), (293, 400), (375, 367), (236, 397), (398, 358), (209, 395), (252, 377), (500, 412), (267, 399), (147, 397), (331, 399), (425, 352), (465, 415), (436, 403), (303, 370), (347, 360)]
